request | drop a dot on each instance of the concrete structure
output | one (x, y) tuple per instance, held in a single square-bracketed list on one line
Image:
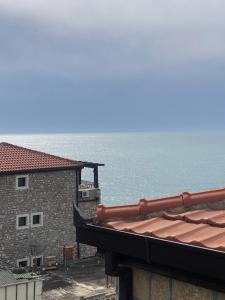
[(149, 285), (37, 194), (19, 286), (168, 248)]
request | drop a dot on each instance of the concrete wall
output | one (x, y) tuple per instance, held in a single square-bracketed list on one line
[(94, 193), (22, 291), (151, 286), (52, 193)]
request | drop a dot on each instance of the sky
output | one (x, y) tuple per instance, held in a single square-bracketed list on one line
[(97, 65)]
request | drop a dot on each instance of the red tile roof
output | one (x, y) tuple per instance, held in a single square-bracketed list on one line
[(205, 228), (145, 207), (15, 159), (202, 225)]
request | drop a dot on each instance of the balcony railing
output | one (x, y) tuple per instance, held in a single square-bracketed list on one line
[(86, 185)]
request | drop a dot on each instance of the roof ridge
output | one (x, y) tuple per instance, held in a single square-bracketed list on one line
[(39, 152), (145, 207)]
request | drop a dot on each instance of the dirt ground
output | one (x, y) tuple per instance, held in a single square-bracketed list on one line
[(85, 278)]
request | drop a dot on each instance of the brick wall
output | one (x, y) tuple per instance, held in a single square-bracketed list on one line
[(152, 286)]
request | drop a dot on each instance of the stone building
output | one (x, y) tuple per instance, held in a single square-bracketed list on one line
[(37, 194), (168, 248)]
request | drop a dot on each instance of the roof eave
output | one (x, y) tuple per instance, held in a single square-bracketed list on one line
[(39, 170), (202, 266), (92, 164)]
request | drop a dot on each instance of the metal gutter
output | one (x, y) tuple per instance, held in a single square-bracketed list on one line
[(201, 266)]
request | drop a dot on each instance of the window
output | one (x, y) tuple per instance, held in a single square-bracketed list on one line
[(85, 194), (37, 261), (22, 182), (22, 263), (36, 219), (22, 221)]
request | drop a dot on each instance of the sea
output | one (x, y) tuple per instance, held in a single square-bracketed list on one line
[(152, 164)]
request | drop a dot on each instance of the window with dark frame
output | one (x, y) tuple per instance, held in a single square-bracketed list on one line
[(36, 219), (21, 182), (23, 264), (37, 261), (22, 221)]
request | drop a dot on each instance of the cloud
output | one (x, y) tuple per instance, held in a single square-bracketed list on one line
[(130, 14), (123, 37), (126, 64)]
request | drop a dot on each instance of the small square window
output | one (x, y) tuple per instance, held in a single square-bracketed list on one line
[(22, 263), (22, 221), (85, 194), (22, 182), (36, 219)]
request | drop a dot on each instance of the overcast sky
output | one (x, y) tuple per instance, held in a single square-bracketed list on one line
[(111, 65)]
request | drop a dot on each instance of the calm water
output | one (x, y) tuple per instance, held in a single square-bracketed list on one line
[(137, 164)]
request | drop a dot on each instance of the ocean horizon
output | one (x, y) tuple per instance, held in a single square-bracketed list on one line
[(149, 164)]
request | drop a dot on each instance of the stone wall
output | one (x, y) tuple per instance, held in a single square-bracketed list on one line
[(53, 194), (152, 286), (89, 208)]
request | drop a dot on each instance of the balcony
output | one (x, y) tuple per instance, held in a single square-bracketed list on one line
[(86, 185), (88, 192)]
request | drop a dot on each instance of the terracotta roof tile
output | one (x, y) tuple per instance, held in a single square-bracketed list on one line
[(198, 228), (145, 207), (14, 158), (203, 227), (213, 217)]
